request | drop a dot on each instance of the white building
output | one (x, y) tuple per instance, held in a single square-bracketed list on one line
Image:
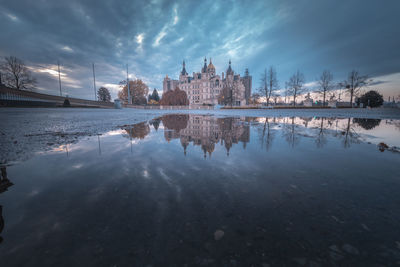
[(206, 87)]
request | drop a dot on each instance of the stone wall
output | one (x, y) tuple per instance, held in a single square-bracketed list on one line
[(14, 97)]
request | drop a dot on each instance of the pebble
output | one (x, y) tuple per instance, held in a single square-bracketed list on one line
[(350, 249), (365, 227), (301, 261), (218, 234), (335, 253)]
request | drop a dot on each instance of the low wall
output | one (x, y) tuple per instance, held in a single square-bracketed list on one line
[(168, 107), (14, 97)]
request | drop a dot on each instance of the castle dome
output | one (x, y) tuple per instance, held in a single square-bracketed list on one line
[(210, 66)]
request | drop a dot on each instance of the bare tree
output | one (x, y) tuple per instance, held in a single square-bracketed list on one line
[(295, 85), (272, 83), (287, 91), (276, 96), (16, 74), (254, 99), (325, 84), (269, 83), (354, 83), (263, 89)]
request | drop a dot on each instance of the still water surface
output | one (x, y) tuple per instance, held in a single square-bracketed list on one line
[(188, 190)]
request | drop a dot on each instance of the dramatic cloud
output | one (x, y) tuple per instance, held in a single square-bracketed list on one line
[(153, 37)]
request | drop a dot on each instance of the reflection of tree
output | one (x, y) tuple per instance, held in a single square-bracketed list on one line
[(266, 134), (155, 123), (367, 124), (291, 133), (349, 135), (4, 181), (175, 122), (4, 185), (139, 130), (321, 138), (1, 222), (306, 121)]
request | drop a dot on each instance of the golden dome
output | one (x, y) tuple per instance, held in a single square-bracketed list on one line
[(210, 66)]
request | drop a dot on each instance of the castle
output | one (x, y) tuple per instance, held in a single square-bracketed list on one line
[(208, 88)]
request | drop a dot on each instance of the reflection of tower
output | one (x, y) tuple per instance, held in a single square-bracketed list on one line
[(185, 144)]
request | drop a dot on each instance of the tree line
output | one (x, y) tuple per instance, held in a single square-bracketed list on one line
[(295, 86)]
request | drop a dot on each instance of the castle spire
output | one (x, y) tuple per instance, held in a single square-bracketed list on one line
[(205, 65), (183, 72), (229, 70)]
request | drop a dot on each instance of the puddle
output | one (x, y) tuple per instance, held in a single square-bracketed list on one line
[(203, 190)]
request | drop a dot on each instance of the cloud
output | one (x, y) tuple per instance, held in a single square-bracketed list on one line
[(12, 17), (159, 36), (67, 49), (154, 36), (176, 18), (139, 38), (167, 27)]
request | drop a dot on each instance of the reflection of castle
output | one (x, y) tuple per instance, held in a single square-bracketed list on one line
[(205, 131)]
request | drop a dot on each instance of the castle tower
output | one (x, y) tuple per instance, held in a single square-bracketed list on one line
[(229, 71), (204, 69), (211, 69), (183, 72), (183, 75), (247, 82)]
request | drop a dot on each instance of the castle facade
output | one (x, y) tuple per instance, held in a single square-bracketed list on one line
[(208, 88)]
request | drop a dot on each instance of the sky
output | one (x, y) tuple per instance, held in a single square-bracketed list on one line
[(154, 37)]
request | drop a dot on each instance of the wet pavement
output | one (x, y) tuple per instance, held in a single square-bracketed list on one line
[(201, 190)]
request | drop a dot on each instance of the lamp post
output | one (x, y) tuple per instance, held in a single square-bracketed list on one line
[(94, 83), (127, 85), (59, 76)]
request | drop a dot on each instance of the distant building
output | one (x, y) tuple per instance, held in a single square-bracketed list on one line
[(169, 84), (204, 87), (247, 80), (308, 102)]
